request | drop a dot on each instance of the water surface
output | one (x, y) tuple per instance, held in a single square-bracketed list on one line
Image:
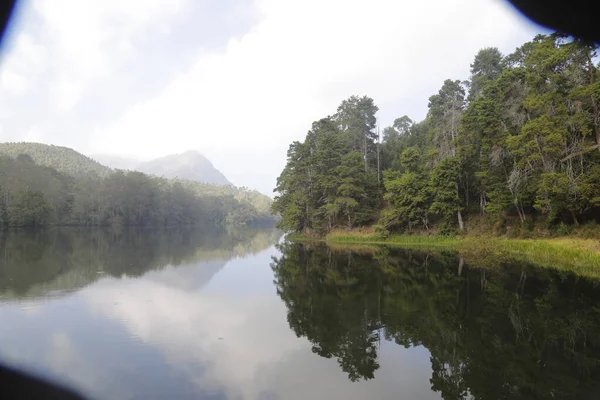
[(187, 314)]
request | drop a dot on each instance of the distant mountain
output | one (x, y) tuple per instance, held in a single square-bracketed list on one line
[(196, 191), (62, 159), (190, 165), (116, 162)]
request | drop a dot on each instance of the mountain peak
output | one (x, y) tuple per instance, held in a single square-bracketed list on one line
[(190, 165), (193, 153)]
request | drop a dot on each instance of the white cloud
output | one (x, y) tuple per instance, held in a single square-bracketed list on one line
[(243, 103), (186, 327), (240, 344), (85, 40), (243, 106), (34, 134), (18, 70), (13, 82)]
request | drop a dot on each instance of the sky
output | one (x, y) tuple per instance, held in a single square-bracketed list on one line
[(237, 80)]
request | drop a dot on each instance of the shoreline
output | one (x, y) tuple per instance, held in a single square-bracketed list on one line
[(575, 254)]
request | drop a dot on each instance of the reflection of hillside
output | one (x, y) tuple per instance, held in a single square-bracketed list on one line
[(515, 332), (34, 264)]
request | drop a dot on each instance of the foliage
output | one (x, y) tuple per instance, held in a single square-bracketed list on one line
[(62, 159), (331, 178), (519, 139), (30, 208), (35, 195)]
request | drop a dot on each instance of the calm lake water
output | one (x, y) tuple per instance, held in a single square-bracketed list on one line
[(186, 314)]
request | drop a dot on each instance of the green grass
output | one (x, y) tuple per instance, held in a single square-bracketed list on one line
[(398, 240), (581, 256)]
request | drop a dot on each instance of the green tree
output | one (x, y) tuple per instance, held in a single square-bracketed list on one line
[(353, 190), (486, 67), (445, 111), (446, 201), (408, 193), (30, 208), (356, 117), (518, 138), (294, 187)]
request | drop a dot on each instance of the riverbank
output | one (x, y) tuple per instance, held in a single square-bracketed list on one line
[(579, 255)]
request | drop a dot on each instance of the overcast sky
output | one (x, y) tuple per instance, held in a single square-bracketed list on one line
[(237, 80)]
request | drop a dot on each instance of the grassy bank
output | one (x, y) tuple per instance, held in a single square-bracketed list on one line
[(578, 255), (399, 240), (575, 254)]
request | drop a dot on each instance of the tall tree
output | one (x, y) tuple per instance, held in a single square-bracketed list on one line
[(356, 117), (445, 112), (486, 67)]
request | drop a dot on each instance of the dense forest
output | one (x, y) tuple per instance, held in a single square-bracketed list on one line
[(513, 332), (35, 194), (517, 142)]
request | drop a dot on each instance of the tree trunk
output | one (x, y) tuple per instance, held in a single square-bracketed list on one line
[(521, 216), (466, 191), (482, 203), (575, 221), (522, 211), (378, 165), (482, 279), (595, 107), (307, 223), (461, 225), (365, 150)]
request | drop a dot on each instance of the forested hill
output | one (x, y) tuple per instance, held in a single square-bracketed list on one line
[(36, 195), (190, 165), (517, 142), (252, 204), (62, 159)]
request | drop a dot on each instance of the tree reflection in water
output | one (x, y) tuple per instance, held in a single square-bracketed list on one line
[(510, 332)]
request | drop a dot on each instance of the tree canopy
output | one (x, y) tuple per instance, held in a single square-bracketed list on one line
[(62, 159), (519, 139), (34, 195)]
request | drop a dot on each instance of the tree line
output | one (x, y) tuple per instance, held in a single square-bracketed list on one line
[(35, 195), (62, 159), (518, 140)]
